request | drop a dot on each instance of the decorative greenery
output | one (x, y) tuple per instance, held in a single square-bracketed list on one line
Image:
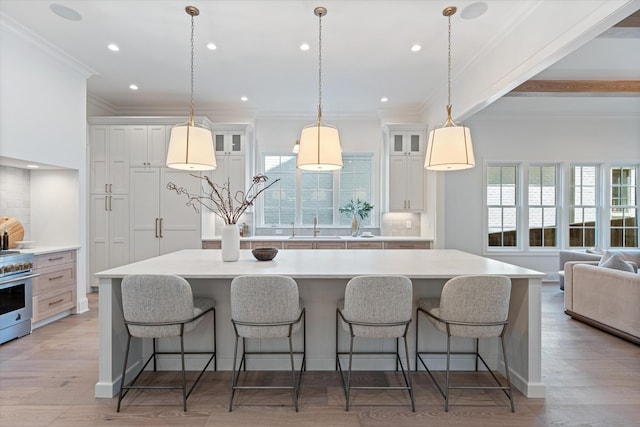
[(357, 209), (218, 198)]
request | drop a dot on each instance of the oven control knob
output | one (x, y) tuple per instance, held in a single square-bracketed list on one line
[(8, 268), (28, 265)]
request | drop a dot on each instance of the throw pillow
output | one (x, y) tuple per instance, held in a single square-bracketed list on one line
[(616, 262), (595, 250)]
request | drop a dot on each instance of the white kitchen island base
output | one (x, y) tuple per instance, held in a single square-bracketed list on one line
[(322, 276)]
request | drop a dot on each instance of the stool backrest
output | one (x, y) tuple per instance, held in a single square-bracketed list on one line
[(154, 298), (378, 299), (261, 299), (476, 299)]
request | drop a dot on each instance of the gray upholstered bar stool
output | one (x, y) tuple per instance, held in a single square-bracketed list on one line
[(264, 307), (473, 307), (375, 307), (163, 306)]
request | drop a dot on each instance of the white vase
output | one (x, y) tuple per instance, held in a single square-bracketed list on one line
[(230, 240)]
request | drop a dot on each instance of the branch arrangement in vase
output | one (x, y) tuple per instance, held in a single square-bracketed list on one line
[(218, 198), (357, 209)]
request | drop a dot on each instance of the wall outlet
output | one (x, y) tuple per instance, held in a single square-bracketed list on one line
[(278, 231), (408, 224)]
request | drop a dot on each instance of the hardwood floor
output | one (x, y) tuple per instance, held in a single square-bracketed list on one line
[(47, 379)]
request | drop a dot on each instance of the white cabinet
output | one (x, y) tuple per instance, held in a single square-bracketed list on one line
[(148, 145), (160, 220), (406, 170), (229, 142), (109, 159), (109, 232)]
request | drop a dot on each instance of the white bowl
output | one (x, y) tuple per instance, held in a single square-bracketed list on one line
[(26, 244)]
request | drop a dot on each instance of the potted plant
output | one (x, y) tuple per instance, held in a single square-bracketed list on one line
[(357, 209)]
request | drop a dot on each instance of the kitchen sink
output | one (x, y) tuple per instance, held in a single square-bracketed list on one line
[(317, 237)]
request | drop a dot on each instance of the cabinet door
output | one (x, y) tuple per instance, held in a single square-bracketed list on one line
[(229, 142), (144, 213), (148, 145), (99, 235), (138, 146), (99, 163), (157, 145), (415, 183), (119, 160), (397, 183), (406, 143), (180, 227)]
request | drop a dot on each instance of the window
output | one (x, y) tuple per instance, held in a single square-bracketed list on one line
[(355, 183), (623, 213), (301, 196), (543, 216), (583, 210), (502, 212)]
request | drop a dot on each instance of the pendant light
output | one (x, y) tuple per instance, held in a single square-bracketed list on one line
[(449, 147), (191, 145), (319, 149)]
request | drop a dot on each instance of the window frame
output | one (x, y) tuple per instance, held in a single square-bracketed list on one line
[(598, 205), (558, 207), (609, 206), (517, 205), (336, 174)]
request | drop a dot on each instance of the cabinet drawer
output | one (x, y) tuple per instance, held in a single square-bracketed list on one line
[(54, 278), (329, 245), (407, 245), (217, 244), (298, 245), (364, 245), (51, 303), (54, 258)]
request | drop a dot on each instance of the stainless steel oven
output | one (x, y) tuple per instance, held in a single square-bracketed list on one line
[(16, 272)]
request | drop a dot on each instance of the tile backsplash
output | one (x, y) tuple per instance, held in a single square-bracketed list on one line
[(15, 196)]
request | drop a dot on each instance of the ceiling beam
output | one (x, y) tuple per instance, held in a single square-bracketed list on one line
[(580, 86), (632, 21)]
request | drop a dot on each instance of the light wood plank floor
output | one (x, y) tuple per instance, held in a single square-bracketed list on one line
[(48, 377)]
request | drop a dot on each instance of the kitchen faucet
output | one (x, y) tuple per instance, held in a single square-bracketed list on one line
[(315, 226)]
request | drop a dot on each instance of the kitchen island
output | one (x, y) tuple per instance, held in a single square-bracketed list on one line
[(321, 277)]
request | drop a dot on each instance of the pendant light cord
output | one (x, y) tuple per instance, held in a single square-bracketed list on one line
[(449, 66), (319, 68), (191, 121)]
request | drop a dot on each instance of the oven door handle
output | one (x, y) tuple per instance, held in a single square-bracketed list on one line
[(19, 278)]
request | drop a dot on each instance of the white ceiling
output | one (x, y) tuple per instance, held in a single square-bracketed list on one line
[(366, 52)]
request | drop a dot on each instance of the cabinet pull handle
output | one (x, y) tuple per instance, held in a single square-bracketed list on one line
[(55, 258), (105, 203), (161, 228), (110, 188), (56, 302), (56, 277), (157, 227), (409, 204), (106, 188), (110, 200)]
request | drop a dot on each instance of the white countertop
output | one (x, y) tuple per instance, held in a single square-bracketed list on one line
[(303, 263), (41, 250), (320, 238)]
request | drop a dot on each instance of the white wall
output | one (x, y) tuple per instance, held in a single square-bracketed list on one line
[(519, 129), (43, 116)]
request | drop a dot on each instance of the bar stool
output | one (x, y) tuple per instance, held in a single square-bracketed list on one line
[(162, 306), (473, 307), (376, 307), (263, 307)]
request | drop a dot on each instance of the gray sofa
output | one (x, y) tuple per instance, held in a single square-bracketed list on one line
[(566, 256)]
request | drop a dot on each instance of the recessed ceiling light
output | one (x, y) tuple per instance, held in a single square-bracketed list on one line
[(304, 46), (474, 10), (384, 99), (33, 166), (211, 46), (244, 99), (133, 87), (65, 12), (416, 48), (114, 47)]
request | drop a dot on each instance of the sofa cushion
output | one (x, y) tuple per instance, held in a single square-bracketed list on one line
[(595, 250), (615, 261)]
